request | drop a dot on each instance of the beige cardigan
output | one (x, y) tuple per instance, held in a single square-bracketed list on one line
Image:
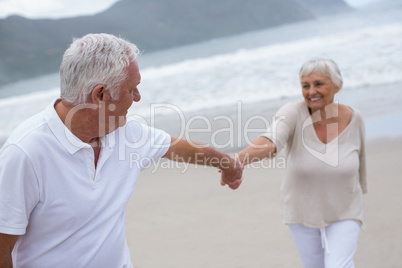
[(323, 183)]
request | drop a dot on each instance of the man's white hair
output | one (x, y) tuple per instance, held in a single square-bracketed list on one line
[(92, 60)]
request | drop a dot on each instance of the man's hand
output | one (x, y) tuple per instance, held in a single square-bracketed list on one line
[(232, 174)]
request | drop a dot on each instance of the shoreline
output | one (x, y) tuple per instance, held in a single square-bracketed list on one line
[(387, 126), (254, 118), (381, 116)]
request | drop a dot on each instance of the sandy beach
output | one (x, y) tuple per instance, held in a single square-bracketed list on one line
[(183, 218)]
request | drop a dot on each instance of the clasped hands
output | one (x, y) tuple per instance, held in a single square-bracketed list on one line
[(231, 174)]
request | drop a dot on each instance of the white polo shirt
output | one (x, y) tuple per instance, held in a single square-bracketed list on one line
[(67, 213)]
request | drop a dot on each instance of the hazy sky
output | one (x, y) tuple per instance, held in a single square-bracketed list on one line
[(53, 8), (72, 8)]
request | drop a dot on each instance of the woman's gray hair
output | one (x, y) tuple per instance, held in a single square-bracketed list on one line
[(322, 66), (92, 60)]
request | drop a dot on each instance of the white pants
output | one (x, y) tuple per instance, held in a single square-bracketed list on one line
[(330, 247)]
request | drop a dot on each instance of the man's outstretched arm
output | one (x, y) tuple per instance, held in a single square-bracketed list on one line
[(186, 151)]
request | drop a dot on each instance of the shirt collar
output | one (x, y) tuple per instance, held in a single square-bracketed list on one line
[(69, 141)]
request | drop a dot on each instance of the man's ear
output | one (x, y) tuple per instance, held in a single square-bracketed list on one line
[(98, 94)]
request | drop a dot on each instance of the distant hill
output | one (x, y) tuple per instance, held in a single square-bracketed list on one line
[(322, 8), (30, 48)]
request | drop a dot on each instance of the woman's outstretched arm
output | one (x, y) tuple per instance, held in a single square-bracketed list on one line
[(261, 148)]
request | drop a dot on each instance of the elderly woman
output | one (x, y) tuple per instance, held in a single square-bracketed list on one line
[(325, 179)]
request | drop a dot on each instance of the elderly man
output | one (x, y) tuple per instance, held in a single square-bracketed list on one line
[(65, 176)]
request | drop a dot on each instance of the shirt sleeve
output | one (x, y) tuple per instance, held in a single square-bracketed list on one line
[(160, 142), (19, 190), (151, 143), (283, 126)]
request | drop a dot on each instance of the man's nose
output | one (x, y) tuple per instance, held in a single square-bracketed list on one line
[(136, 95)]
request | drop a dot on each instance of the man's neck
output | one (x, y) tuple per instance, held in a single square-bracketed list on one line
[(76, 120)]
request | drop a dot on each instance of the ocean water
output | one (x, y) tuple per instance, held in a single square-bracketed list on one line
[(259, 68)]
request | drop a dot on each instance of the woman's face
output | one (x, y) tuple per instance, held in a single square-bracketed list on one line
[(318, 91)]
